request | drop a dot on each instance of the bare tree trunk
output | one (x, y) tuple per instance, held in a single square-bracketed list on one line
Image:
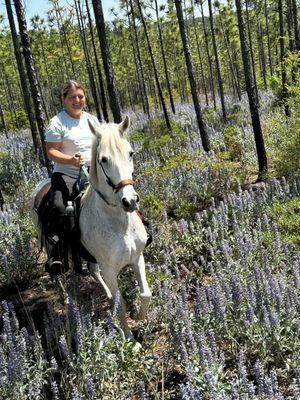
[(87, 58), (231, 64), (282, 60), (191, 75), (289, 20), (268, 36), (164, 58), (107, 64), (3, 122), (218, 69), (296, 28), (140, 64), (2, 202), (259, 141), (62, 31), (211, 75), (251, 50), (261, 53), (31, 74), (99, 73), (199, 54), (154, 66)]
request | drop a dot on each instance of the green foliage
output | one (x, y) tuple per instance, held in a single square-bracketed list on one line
[(286, 215), (284, 139), (155, 135), (233, 145), (19, 252), (152, 205), (17, 118)]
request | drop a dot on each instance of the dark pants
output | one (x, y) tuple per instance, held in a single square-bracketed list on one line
[(58, 227)]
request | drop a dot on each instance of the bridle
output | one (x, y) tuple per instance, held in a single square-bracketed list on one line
[(116, 187), (119, 185)]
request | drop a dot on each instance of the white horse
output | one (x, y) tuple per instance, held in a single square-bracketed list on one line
[(110, 228)]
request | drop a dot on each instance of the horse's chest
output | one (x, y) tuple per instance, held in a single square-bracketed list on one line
[(114, 242)]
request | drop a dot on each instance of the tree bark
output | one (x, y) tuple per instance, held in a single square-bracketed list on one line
[(164, 58), (191, 75), (211, 75), (107, 64), (199, 54), (268, 36), (98, 69), (87, 58), (218, 69), (251, 50), (3, 122), (140, 64), (259, 141), (282, 60), (31, 74), (296, 28), (154, 66)]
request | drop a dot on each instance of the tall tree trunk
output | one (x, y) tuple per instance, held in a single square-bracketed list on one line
[(231, 64), (154, 66), (211, 75), (268, 36), (62, 31), (87, 58), (138, 95), (3, 122), (152, 91), (261, 53), (99, 73), (31, 74), (199, 53), (282, 60), (259, 141), (218, 69), (107, 64), (290, 22), (164, 58), (296, 28), (139, 59), (2, 202), (251, 50), (191, 75)]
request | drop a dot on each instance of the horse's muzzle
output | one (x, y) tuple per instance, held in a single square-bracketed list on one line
[(129, 206)]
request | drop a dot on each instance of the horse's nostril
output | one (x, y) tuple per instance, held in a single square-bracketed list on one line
[(137, 199), (125, 202)]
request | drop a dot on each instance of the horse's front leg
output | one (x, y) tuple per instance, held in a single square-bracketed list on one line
[(140, 273), (107, 277)]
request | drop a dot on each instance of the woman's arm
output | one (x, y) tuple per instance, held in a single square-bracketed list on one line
[(54, 154)]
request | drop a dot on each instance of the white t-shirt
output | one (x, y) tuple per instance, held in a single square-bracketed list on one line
[(76, 137)]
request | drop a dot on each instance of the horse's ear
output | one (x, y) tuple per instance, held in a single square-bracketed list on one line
[(92, 127), (124, 125)]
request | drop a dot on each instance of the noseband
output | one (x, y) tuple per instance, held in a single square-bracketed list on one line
[(119, 185)]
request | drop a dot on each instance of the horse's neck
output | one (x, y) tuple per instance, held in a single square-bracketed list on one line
[(93, 202)]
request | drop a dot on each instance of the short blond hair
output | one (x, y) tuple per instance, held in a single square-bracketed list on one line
[(71, 85)]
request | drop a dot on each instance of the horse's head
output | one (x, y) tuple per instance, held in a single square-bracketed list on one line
[(112, 165)]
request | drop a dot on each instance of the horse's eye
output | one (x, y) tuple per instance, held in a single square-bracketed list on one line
[(131, 154), (104, 159)]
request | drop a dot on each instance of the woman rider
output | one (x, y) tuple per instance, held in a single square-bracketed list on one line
[(68, 144)]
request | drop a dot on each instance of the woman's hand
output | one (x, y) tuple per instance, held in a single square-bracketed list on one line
[(78, 160), (54, 154)]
